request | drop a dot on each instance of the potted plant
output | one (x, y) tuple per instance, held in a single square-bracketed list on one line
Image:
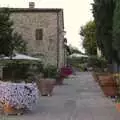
[(9, 110), (17, 97), (16, 92), (63, 73), (47, 81), (108, 85), (66, 71)]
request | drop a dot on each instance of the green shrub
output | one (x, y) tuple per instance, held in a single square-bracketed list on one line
[(50, 71), (78, 62), (97, 62), (36, 67), (17, 71)]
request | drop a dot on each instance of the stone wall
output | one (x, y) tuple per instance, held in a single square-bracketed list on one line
[(61, 39), (26, 24)]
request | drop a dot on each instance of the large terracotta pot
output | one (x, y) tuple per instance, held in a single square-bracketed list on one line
[(108, 85), (118, 107), (109, 90), (100, 74), (107, 80), (8, 110), (46, 87)]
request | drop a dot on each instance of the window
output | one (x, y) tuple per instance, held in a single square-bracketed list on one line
[(39, 34)]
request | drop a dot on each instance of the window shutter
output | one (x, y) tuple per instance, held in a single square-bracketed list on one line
[(39, 34)]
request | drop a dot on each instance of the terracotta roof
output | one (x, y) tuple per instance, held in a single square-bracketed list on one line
[(35, 9)]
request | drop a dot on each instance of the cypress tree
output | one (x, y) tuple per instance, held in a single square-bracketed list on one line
[(103, 11), (9, 39), (116, 29), (5, 32)]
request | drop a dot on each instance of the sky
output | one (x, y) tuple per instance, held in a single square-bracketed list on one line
[(76, 14)]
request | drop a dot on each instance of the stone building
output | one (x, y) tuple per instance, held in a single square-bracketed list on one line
[(43, 30)]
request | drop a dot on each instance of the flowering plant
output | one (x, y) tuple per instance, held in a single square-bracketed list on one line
[(66, 71), (19, 95)]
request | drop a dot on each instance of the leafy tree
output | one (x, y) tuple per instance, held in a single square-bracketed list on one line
[(89, 39), (103, 11), (74, 50), (116, 30), (9, 40), (18, 44)]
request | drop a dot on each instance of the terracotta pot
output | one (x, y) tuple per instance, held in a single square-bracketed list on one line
[(8, 110), (101, 74), (118, 107), (46, 87), (107, 80), (108, 85), (109, 90)]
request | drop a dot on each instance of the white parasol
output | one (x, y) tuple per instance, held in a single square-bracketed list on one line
[(20, 57)]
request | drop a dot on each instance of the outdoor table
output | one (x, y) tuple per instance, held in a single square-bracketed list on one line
[(19, 95)]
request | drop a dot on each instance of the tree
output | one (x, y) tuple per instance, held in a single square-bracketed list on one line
[(103, 11), (89, 39), (116, 30), (74, 50), (9, 39), (18, 44)]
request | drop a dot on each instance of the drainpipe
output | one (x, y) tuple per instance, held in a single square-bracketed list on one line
[(58, 40)]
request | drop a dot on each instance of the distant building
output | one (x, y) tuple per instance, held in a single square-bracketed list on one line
[(43, 30)]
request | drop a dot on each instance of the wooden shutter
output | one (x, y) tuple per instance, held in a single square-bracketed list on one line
[(39, 34)]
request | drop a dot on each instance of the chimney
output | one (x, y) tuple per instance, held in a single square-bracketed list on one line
[(31, 5)]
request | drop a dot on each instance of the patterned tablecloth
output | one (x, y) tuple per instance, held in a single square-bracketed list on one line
[(19, 95)]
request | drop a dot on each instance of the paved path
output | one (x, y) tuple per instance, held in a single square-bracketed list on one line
[(79, 99)]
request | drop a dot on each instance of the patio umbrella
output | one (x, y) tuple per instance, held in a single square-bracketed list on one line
[(20, 57), (78, 55)]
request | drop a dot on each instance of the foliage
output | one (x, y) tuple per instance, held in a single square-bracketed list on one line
[(18, 71), (116, 29), (15, 71), (97, 62), (77, 62), (39, 67), (9, 39), (89, 39), (5, 32), (74, 50), (50, 71), (18, 44), (68, 52), (103, 11)]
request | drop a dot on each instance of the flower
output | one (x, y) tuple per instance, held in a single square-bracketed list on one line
[(19, 95)]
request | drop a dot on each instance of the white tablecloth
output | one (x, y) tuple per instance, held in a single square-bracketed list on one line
[(19, 95)]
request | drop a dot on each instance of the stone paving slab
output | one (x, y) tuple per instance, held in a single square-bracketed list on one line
[(80, 98)]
